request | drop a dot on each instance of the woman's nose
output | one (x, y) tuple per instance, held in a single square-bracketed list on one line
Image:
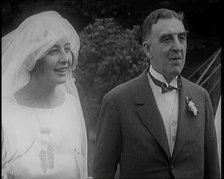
[(64, 57)]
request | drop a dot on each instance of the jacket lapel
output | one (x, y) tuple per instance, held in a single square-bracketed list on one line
[(149, 113), (184, 127)]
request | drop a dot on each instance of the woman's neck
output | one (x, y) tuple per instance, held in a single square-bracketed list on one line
[(37, 94), (41, 92)]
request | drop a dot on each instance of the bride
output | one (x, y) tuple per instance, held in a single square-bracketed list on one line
[(43, 129)]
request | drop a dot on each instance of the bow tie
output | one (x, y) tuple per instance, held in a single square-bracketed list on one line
[(164, 86)]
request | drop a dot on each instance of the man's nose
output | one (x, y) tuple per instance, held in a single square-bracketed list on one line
[(176, 45)]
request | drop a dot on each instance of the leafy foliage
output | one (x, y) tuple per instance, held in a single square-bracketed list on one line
[(109, 55), (202, 15)]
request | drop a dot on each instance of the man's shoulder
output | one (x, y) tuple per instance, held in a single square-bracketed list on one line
[(127, 88), (193, 86)]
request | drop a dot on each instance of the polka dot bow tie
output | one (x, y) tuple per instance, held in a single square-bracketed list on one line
[(164, 86)]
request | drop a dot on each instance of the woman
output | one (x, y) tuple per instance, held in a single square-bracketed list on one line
[(43, 129)]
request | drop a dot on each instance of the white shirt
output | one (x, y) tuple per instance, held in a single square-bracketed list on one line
[(168, 106)]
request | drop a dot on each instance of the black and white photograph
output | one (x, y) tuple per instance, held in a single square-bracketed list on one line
[(111, 89)]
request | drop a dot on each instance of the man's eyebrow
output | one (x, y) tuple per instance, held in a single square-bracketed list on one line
[(165, 35), (180, 33), (183, 33), (170, 34)]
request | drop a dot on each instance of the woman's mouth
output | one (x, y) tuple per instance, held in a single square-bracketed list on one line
[(61, 71)]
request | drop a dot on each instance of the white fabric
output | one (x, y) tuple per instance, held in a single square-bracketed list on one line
[(168, 106), (28, 43), (21, 49), (218, 129), (22, 138)]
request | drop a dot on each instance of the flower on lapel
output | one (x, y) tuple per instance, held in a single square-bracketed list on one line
[(191, 106)]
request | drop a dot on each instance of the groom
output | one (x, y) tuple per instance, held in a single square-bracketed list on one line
[(158, 125)]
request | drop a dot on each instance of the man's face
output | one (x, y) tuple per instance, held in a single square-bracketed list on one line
[(167, 47)]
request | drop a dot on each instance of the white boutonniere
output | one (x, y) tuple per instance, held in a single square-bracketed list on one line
[(191, 106)]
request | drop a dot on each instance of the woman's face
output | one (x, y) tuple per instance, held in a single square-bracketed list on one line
[(55, 66)]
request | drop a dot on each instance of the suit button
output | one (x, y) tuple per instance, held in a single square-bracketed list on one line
[(174, 123), (174, 138), (171, 166)]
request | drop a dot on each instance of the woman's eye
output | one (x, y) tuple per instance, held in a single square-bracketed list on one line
[(67, 49), (53, 51)]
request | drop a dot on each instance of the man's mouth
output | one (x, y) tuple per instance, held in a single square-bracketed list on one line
[(175, 58)]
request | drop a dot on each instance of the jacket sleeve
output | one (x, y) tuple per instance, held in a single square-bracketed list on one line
[(108, 142), (211, 163)]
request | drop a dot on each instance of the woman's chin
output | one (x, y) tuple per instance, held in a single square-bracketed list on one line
[(61, 80)]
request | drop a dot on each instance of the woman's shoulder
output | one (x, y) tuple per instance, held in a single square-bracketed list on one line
[(8, 102), (9, 108), (71, 100)]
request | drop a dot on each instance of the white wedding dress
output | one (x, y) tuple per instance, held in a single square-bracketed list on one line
[(22, 141)]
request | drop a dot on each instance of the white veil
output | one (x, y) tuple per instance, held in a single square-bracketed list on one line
[(22, 47), (25, 45)]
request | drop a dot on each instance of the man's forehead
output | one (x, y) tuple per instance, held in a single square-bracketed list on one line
[(168, 26)]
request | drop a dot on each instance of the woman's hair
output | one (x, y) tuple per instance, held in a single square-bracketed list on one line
[(153, 17)]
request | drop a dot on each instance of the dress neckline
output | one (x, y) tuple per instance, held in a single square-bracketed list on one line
[(37, 108)]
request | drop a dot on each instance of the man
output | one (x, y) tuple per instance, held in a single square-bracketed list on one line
[(158, 125)]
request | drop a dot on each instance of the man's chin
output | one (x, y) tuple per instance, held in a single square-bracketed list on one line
[(176, 70), (174, 74)]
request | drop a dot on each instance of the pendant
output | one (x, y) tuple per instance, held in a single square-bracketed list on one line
[(43, 160), (47, 158), (45, 130), (50, 157)]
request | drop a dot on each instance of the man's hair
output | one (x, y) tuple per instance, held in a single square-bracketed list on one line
[(153, 17)]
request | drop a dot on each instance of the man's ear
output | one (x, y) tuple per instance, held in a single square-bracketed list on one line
[(147, 49)]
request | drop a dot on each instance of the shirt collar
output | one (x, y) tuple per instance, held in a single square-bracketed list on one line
[(160, 77)]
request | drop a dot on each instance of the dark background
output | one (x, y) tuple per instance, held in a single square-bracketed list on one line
[(203, 16), (101, 64)]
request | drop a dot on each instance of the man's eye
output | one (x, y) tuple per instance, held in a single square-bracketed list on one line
[(182, 37), (166, 39)]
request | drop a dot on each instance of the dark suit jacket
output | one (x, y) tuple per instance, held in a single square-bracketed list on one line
[(131, 132)]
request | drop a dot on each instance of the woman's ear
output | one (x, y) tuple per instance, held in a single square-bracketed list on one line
[(147, 49)]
